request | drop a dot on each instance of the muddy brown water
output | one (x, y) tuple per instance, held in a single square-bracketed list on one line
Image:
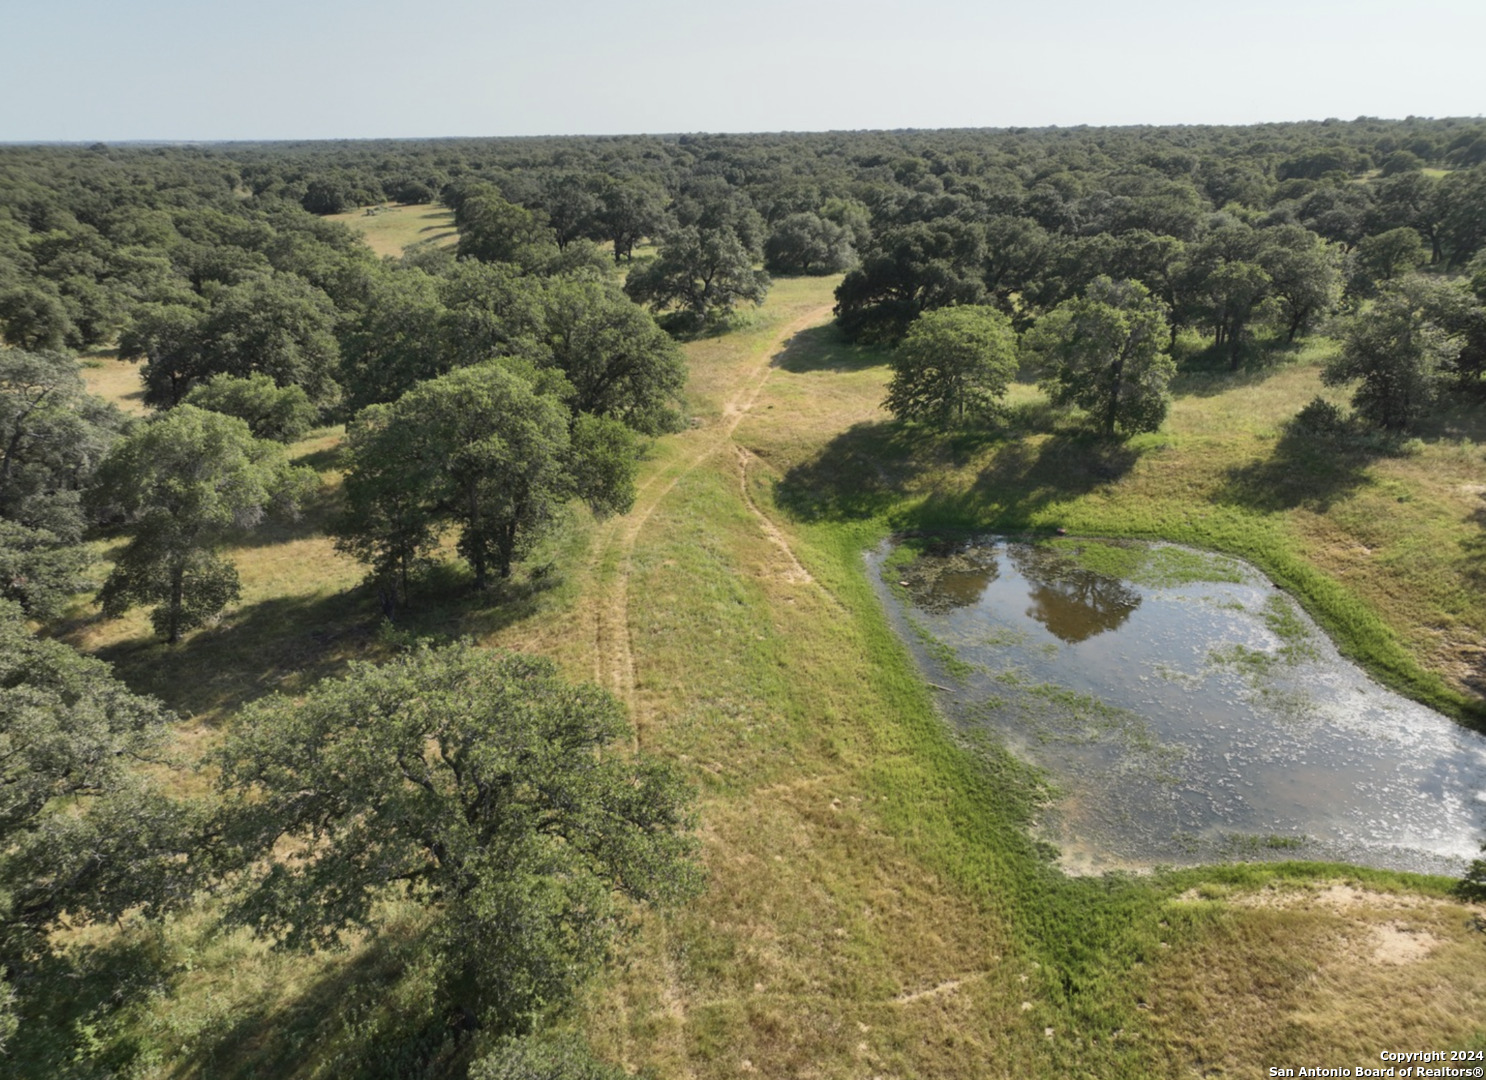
[(1183, 708)]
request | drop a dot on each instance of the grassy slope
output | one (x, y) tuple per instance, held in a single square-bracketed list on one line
[(876, 907), (390, 229)]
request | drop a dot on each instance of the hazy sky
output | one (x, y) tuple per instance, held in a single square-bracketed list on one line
[(193, 69)]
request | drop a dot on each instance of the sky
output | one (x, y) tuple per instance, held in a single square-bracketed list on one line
[(120, 70)]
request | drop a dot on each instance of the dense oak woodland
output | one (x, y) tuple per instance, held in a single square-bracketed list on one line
[(486, 386)]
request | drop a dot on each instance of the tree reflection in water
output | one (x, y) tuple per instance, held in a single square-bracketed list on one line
[(1073, 603)]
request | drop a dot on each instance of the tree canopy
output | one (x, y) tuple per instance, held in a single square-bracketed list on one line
[(278, 325), (908, 270), (483, 448), (704, 271), (81, 832), (954, 364), (1397, 351), (493, 229), (479, 785), (806, 243), (1104, 352), (181, 482), (280, 413), (618, 362), (53, 436)]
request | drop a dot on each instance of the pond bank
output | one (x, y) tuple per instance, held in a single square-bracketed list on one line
[(1183, 708)]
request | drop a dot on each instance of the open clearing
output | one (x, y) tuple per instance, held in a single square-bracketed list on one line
[(391, 230), (876, 907)]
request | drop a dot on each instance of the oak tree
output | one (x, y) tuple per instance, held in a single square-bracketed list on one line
[(954, 364), (182, 483), (1397, 352), (486, 449), (705, 272), (1105, 352), (479, 785)]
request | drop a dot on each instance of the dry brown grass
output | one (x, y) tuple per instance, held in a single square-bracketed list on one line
[(1322, 975), (115, 380), (298, 617)]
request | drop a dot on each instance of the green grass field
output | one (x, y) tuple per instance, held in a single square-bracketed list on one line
[(876, 904), (390, 230)]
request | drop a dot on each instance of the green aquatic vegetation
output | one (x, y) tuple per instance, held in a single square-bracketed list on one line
[(1239, 845), (1079, 704), (1160, 566), (1057, 714), (1003, 637), (1296, 646), (904, 551), (1174, 675), (1286, 623), (1254, 663), (941, 652), (982, 710), (1290, 703)]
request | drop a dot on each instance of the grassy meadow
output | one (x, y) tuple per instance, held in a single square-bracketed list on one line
[(877, 906), (389, 230)]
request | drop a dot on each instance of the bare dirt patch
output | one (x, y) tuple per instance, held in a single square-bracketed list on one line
[(1400, 943), (1334, 896)]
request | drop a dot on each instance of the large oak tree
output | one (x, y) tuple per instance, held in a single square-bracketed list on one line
[(479, 785), (486, 449), (1105, 353), (182, 483)]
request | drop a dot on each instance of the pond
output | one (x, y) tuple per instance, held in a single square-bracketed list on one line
[(1183, 708)]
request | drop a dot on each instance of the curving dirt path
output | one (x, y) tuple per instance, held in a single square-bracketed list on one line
[(796, 572), (612, 556)]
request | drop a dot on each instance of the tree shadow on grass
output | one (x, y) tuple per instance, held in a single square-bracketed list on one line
[(862, 473), (1209, 384), (285, 644), (1457, 415), (370, 1015), (914, 478), (1209, 372), (1025, 477), (317, 511), (1475, 547), (1306, 470), (278, 645), (443, 604), (70, 1001), (322, 460), (825, 348)]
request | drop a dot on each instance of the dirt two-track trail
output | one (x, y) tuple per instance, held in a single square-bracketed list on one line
[(611, 561)]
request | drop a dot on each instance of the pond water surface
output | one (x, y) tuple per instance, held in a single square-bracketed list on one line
[(1183, 708)]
